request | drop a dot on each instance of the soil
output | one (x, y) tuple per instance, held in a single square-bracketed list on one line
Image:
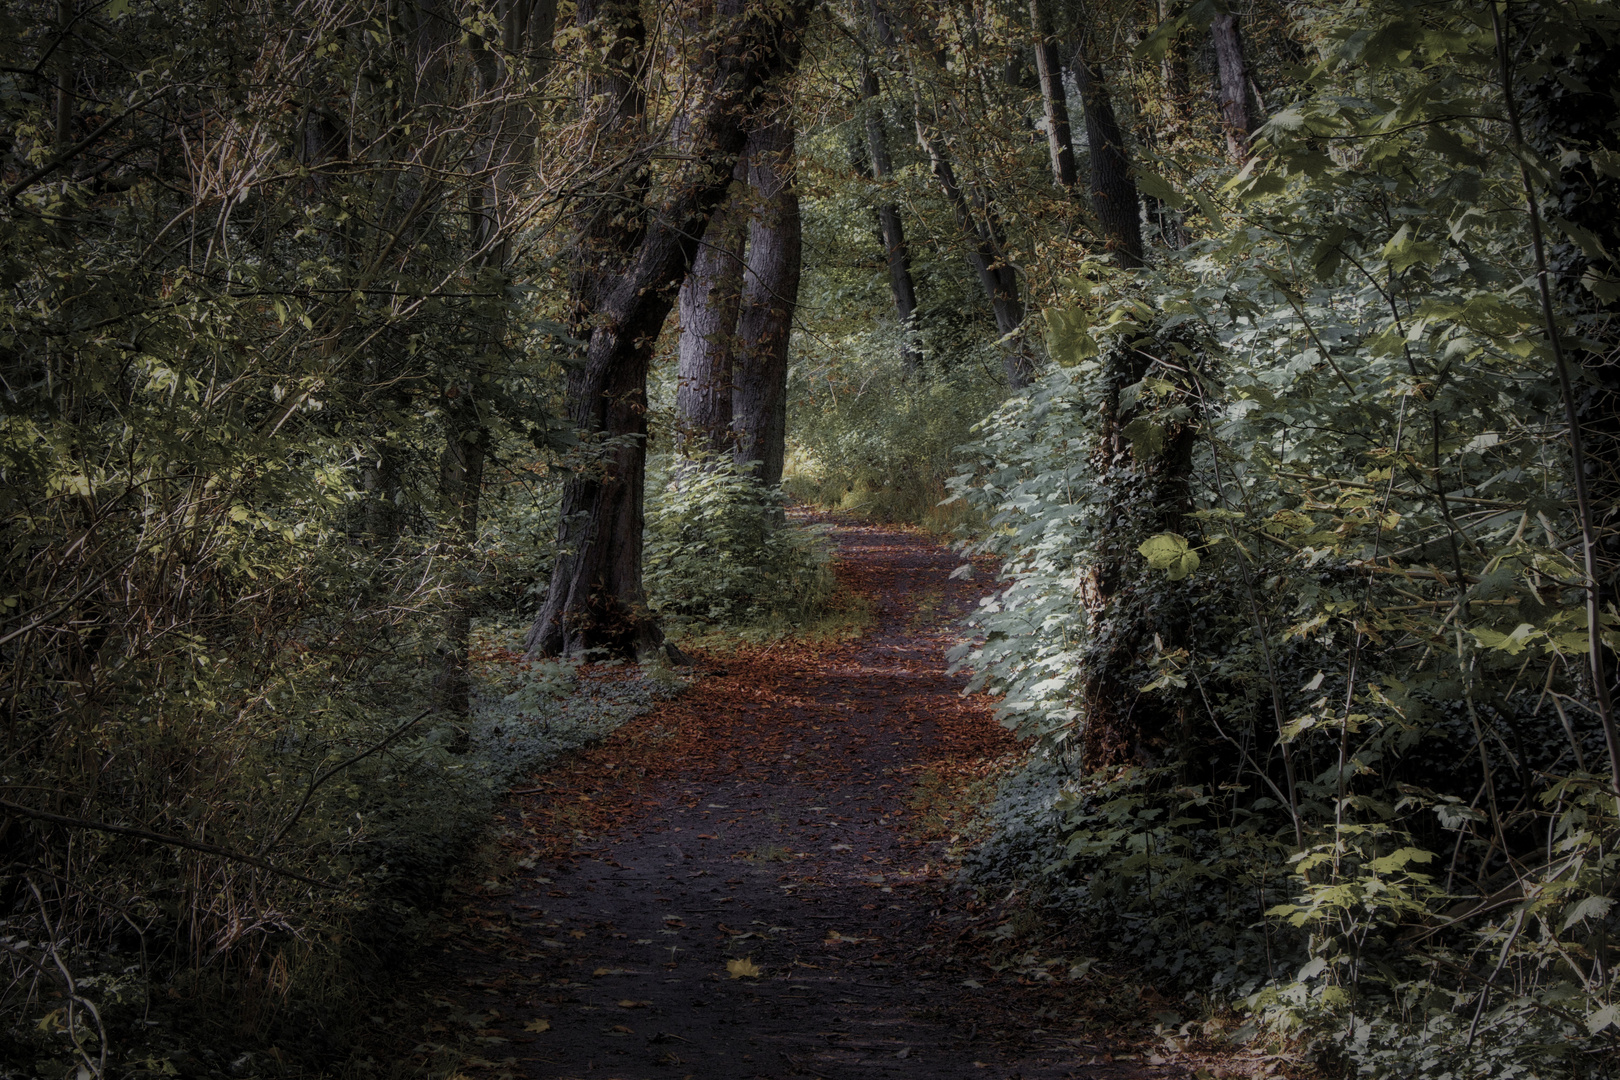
[(752, 881)]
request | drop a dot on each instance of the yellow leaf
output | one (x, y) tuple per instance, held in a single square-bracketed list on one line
[(537, 1025), (742, 968)]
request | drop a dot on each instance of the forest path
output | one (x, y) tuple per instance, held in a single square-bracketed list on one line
[(761, 820)]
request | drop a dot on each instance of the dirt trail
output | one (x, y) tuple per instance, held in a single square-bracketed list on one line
[(760, 820)]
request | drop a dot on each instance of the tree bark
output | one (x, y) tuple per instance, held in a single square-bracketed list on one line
[(628, 264), (709, 303), (1238, 115), (1113, 190), (770, 298), (1059, 141), (896, 252)]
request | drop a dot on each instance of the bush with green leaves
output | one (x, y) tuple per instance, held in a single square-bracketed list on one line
[(721, 552)]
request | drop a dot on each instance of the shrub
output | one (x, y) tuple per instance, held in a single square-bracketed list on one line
[(720, 550)]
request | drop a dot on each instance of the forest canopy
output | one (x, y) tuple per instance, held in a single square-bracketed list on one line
[(347, 346)]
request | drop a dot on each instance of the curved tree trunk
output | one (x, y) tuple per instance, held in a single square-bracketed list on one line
[(1113, 191), (628, 264), (770, 297)]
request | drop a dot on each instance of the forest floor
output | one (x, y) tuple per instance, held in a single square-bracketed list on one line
[(755, 881)]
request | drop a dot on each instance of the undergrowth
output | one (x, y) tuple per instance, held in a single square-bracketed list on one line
[(399, 825), (723, 556)]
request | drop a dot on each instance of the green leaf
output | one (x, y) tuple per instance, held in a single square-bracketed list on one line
[(1170, 553), (1151, 183), (1593, 907), (1147, 438)]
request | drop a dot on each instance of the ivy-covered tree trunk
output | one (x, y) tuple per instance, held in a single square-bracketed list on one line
[(1144, 465), (896, 252), (770, 298), (461, 482), (628, 264), (709, 303), (1113, 191), (1568, 119), (526, 28)]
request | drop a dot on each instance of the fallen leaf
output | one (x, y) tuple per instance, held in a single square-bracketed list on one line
[(628, 1003), (576, 933), (537, 1025), (743, 967)]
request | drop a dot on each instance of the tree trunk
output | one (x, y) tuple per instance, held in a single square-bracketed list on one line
[(1238, 115), (1050, 68), (770, 297), (628, 264), (890, 226), (1113, 190), (996, 275), (709, 303)]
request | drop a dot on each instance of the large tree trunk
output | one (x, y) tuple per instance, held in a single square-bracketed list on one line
[(709, 303), (1238, 113), (897, 254), (996, 275), (770, 298), (1113, 190), (629, 262), (1047, 64)]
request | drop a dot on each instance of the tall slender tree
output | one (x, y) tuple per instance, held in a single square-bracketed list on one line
[(896, 253), (525, 31)]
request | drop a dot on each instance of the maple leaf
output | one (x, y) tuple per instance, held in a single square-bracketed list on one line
[(743, 967)]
